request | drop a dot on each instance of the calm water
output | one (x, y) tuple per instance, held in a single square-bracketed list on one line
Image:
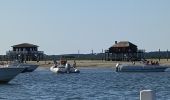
[(91, 84)]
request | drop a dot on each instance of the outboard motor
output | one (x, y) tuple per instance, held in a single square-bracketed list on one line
[(67, 66), (117, 67)]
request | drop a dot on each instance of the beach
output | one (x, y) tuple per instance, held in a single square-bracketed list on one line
[(96, 63), (82, 63)]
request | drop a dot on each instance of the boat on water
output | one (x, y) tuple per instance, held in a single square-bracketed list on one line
[(140, 68), (8, 73), (64, 67), (27, 67)]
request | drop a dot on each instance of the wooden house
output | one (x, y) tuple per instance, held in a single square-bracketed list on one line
[(122, 51), (25, 52)]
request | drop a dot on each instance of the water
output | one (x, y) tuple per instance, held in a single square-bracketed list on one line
[(89, 84)]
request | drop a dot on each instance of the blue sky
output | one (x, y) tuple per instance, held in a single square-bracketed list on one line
[(66, 26)]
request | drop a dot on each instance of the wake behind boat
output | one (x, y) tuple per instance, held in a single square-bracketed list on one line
[(141, 68), (64, 67), (8, 73)]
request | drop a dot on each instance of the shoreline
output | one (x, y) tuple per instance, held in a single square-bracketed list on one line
[(93, 63), (87, 63), (100, 63)]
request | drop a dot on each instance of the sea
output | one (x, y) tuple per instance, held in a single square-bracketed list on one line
[(89, 84)]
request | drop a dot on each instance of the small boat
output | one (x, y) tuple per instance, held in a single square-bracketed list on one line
[(8, 73), (140, 68), (67, 68)]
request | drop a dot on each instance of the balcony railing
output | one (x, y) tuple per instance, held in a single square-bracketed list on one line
[(24, 52)]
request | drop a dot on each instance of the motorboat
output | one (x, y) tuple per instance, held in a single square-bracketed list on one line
[(67, 68), (140, 68), (27, 67), (8, 73)]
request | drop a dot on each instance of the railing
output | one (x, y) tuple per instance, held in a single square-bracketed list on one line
[(106, 51), (141, 50), (24, 52)]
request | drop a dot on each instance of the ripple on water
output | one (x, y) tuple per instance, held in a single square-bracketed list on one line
[(91, 83)]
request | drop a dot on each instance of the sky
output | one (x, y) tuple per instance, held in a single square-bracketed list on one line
[(69, 26)]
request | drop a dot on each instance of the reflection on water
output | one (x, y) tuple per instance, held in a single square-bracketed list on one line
[(90, 83)]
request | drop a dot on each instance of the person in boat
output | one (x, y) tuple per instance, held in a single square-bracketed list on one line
[(133, 62), (157, 63), (56, 64), (74, 64), (147, 63), (153, 63), (63, 62)]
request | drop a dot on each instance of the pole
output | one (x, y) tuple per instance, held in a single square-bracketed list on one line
[(92, 54), (167, 55), (159, 55), (78, 54), (102, 55)]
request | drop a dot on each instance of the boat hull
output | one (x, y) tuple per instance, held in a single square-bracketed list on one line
[(7, 73), (29, 67), (64, 70), (138, 68)]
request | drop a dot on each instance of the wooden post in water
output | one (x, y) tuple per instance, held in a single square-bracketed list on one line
[(147, 95)]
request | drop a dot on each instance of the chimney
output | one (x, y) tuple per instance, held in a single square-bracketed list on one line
[(115, 42)]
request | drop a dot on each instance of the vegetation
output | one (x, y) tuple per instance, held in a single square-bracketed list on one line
[(97, 56)]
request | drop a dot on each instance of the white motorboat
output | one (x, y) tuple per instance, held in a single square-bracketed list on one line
[(28, 67), (67, 68), (8, 73), (140, 68)]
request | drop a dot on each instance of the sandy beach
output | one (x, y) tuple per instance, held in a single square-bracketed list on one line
[(96, 63), (85, 63)]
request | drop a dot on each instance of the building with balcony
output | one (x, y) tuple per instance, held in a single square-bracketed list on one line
[(124, 51), (25, 52)]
